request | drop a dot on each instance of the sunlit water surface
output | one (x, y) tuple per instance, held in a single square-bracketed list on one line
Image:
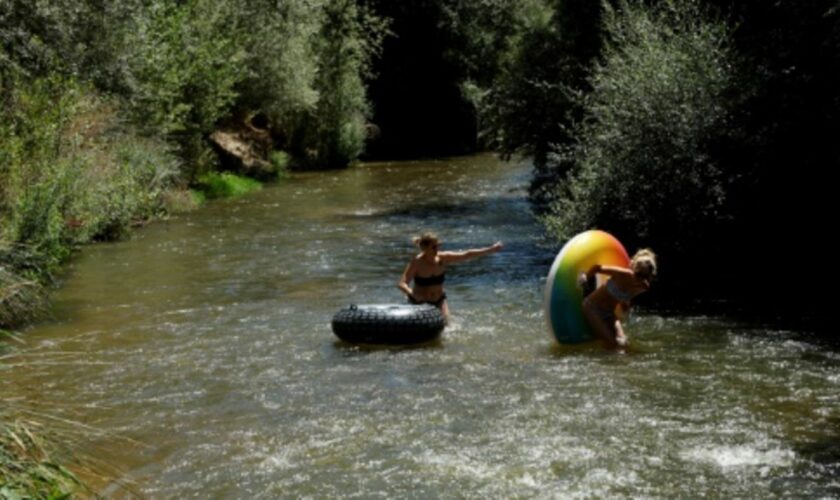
[(201, 350)]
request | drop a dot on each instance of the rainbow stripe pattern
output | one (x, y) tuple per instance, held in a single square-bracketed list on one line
[(563, 295)]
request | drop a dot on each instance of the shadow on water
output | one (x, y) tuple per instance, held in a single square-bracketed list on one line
[(755, 320), (464, 209), (592, 348), (349, 349), (825, 453), (567, 350)]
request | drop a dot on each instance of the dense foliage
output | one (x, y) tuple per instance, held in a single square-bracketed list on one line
[(661, 99), (701, 128), (106, 109)]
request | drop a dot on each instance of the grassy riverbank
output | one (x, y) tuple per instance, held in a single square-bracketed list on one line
[(28, 468), (30, 461), (73, 172)]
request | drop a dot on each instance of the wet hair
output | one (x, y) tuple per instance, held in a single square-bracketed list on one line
[(426, 240), (643, 263)]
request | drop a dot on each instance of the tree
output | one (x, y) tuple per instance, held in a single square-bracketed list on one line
[(533, 105), (645, 164)]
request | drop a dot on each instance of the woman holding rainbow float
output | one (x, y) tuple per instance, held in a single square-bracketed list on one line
[(623, 285), (574, 315)]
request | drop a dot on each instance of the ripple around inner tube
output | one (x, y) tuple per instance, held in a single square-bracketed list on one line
[(206, 340)]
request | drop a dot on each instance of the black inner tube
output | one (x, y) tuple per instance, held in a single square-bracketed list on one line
[(392, 324)]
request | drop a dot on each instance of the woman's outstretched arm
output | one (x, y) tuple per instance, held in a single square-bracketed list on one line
[(460, 256), (608, 270)]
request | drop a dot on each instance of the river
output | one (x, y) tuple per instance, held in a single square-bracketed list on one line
[(196, 359)]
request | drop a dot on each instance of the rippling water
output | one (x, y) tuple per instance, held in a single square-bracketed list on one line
[(202, 348)]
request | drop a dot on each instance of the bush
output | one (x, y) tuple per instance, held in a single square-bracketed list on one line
[(36, 176), (71, 172), (280, 62), (643, 164), (333, 131), (74, 171), (280, 161), (533, 102), (183, 74), (129, 187), (21, 299)]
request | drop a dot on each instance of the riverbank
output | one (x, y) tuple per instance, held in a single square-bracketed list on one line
[(30, 465), (74, 172)]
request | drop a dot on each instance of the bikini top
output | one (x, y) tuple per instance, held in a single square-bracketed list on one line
[(429, 280), (619, 294)]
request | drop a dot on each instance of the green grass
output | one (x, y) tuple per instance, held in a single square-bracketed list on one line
[(27, 468), (226, 185)]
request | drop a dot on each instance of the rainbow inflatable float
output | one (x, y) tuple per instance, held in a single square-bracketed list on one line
[(563, 295)]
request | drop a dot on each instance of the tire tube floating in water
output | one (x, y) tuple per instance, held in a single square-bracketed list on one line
[(396, 324), (563, 302)]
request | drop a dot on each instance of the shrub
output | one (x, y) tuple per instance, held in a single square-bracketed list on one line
[(533, 101), (71, 172), (661, 98), (280, 63), (333, 130), (21, 299), (280, 161), (36, 177), (183, 73)]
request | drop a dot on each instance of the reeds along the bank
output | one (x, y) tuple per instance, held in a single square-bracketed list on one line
[(46, 451), (21, 300), (27, 469)]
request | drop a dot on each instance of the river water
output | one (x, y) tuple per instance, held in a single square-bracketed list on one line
[(197, 360)]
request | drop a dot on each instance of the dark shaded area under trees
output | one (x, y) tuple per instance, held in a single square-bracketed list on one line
[(724, 167), (761, 251), (419, 110), (787, 153)]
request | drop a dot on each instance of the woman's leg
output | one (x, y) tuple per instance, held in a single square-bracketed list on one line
[(444, 308), (620, 338), (603, 330)]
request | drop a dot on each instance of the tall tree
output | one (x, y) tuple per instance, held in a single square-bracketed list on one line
[(535, 102)]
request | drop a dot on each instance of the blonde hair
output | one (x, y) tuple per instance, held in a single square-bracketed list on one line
[(426, 240), (644, 263)]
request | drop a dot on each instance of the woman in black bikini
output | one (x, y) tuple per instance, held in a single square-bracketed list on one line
[(428, 268), (623, 285)]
